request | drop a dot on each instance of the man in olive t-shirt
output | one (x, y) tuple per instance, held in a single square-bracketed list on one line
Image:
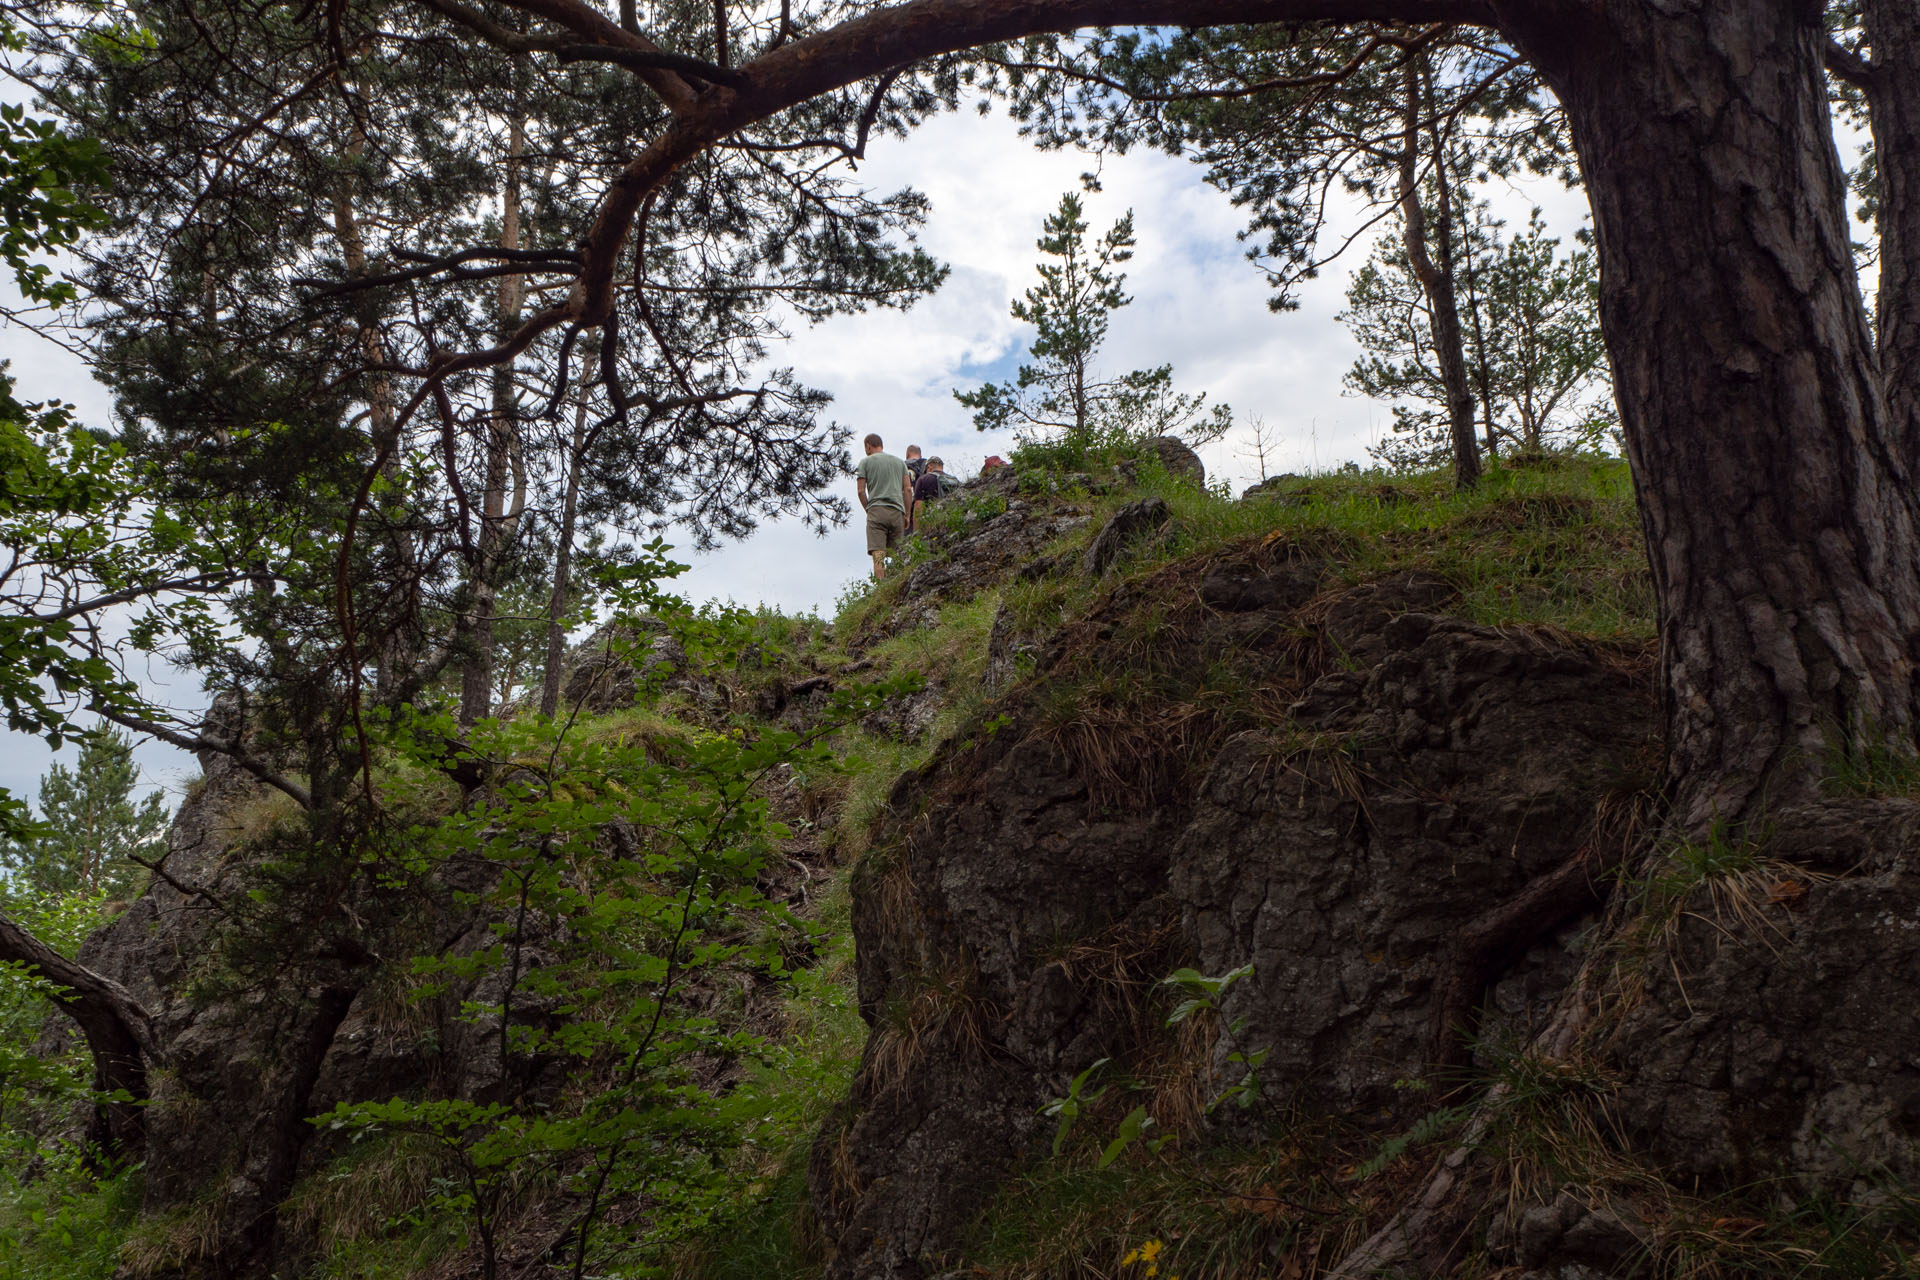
[(881, 483)]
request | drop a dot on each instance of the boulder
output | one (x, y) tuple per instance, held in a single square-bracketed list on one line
[(1173, 456), (1121, 529)]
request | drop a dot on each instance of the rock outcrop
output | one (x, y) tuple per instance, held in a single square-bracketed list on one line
[(1776, 1031), (1336, 840)]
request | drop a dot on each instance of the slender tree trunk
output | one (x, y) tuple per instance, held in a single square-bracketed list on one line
[(563, 562), (1893, 29), (1437, 282), (118, 1032), (1779, 514), (398, 640), (1482, 374), (499, 514)]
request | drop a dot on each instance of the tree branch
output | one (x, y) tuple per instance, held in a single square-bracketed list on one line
[(118, 1030), (1845, 64), (859, 49), (200, 582), (521, 261), (657, 69), (200, 742)]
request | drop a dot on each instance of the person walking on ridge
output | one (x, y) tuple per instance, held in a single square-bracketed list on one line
[(881, 483)]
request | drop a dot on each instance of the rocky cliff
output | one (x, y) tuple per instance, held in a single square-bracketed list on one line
[(1436, 850)]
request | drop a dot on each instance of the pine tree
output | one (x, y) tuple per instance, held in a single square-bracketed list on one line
[(1534, 354), (94, 826), (1061, 391)]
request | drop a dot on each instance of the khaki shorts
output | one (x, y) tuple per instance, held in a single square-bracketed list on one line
[(886, 528)]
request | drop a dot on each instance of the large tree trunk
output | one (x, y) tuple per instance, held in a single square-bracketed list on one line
[(1778, 511), (1893, 29), (118, 1031), (1437, 282)]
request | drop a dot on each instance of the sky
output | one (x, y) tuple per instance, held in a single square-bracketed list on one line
[(1198, 304)]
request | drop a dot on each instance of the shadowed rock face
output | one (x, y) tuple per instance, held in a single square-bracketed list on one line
[(1013, 934), (1779, 1032)]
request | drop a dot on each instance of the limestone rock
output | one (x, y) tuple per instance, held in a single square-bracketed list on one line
[(1784, 1033), (1173, 456), (1125, 525), (1461, 763)]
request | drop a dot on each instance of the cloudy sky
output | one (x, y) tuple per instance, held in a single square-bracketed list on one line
[(1197, 304)]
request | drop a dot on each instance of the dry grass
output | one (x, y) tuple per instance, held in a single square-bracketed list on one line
[(943, 1009), (361, 1194), (173, 1242), (254, 815)]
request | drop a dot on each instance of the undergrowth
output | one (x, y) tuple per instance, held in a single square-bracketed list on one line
[(63, 1224)]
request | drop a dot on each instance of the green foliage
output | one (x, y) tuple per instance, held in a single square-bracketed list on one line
[(92, 827), (1201, 997), (1429, 1128), (1068, 1108), (1061, 393), (90, 531), (601, 964), (1876, 766), (60, 1223), (43, 173), (1221, 1214), (762, 1233), (1686, 865), (1534, 354), (36, 1090)]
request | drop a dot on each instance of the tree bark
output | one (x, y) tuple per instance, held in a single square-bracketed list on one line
[(499, 514), (1893, 104), (118, 1032), (1449, 348), (1778, 511), (563, 561)]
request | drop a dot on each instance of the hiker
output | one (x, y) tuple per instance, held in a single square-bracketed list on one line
[(916, 466), (993, 463), (934, 484), (884, 492)]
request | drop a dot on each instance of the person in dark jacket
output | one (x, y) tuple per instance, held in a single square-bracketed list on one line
[(934, 484)]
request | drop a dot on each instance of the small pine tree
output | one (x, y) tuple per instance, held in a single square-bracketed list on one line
[(1069, 309), (93, 826)]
